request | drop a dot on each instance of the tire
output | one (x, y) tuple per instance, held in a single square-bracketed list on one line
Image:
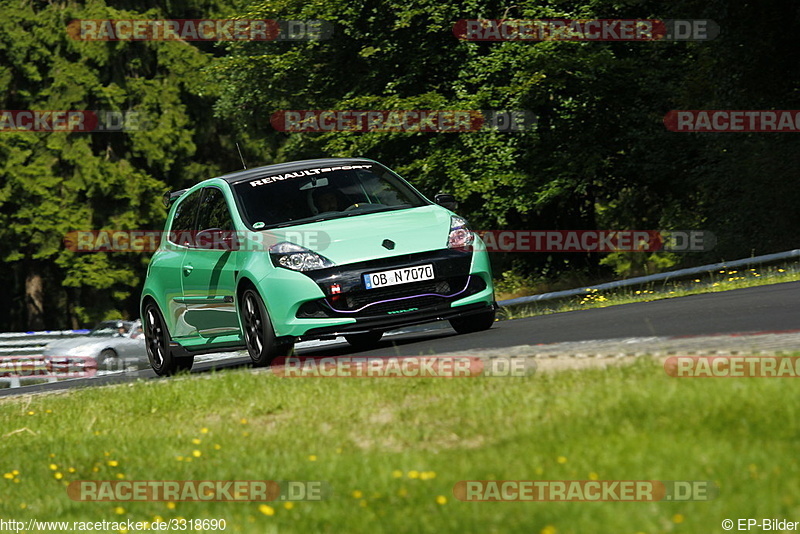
[(109, 360), (473, 323), (364, 341), (157, 340), (262, 344)]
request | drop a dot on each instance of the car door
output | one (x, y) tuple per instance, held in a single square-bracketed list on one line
[(167, 263), (209, 270)]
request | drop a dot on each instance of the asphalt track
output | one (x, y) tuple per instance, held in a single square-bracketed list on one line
[(772, 308)]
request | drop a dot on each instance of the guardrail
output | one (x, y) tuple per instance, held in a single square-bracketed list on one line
[(755, 260), (30, 344)]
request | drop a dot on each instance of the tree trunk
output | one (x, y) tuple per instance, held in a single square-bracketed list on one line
[(72, 298), (34, 297)]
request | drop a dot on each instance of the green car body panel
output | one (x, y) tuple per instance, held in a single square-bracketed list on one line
[(198, 290)]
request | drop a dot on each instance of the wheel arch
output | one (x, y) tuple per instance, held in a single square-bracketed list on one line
[(146, 298), (245, 282)]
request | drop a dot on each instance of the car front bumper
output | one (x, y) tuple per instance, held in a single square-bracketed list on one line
[(334, 301)]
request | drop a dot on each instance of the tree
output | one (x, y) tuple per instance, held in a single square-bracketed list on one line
[(56, 182)]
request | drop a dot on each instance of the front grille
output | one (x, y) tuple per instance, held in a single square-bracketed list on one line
[(433, 290), (357, 299), (417, 296)]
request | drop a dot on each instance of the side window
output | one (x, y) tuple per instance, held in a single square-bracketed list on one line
[(214, 212), (183, 222)]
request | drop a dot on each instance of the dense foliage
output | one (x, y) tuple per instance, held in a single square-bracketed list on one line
[(600, 156)]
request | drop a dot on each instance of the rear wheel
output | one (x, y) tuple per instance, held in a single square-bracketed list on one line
[(473, 323), (262, 344), (364, 341), (157, 340)]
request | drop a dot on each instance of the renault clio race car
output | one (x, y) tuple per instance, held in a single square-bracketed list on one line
[(265, 257)]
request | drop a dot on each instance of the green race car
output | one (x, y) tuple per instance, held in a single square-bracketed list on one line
[(263, 258)]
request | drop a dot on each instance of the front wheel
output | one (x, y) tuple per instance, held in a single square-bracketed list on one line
[(473, 323), (156, 341), (258, 333), (109, 360)]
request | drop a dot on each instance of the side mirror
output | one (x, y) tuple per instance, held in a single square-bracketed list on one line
[(170, 197), (446, 201), (230, 241), (216, 239)]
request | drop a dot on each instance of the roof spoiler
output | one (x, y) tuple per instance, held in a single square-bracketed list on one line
[(170, 197)]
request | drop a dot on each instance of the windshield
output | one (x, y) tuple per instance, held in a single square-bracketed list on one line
[(317, 194), (111, 328)]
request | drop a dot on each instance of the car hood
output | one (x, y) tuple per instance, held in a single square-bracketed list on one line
[(84, 343), (361, 237)]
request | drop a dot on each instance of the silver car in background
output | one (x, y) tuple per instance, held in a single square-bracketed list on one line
[(114, 345)]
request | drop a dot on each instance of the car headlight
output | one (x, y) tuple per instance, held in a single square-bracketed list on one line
[(297, 258), (460, 234)]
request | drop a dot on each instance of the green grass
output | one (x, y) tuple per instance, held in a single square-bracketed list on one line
[(366, 436), (714, 282)]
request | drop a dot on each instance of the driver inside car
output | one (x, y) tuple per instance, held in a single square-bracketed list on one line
[(326, 200)]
